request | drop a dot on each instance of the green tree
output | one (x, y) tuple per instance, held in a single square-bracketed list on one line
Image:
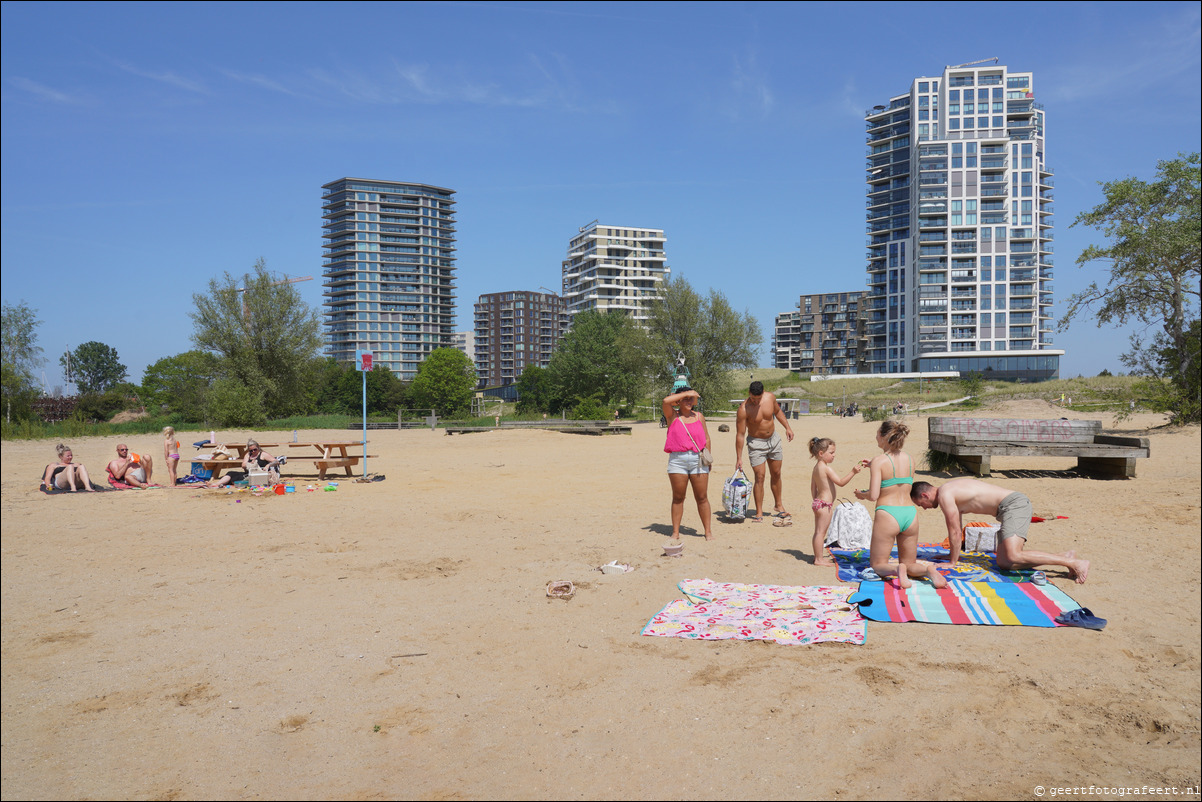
[(182, 383), (232, 404), (1178, 394), (19, 357), (534, 390), (444, 382), (714, 338), (265, 335), (972, 383), (602, 356), (94, 367), (340, 389), (1155, 279)]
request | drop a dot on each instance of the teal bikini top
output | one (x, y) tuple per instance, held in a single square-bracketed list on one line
[(898, 480)]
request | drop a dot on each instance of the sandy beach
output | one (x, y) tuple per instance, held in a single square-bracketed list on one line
[(394, 639)]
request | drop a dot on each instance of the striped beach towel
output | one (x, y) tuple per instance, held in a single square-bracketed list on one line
[(988, 603)]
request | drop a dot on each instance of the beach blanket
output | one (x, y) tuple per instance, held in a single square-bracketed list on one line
[(779, 613), (115, 482), (974, 566), (58, 491), (990, 603)]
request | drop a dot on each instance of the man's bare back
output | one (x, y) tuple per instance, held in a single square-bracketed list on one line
[(972, 495), (962, 495)]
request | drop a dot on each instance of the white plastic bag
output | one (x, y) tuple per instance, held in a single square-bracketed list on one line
[(735, 494), (851, 526)]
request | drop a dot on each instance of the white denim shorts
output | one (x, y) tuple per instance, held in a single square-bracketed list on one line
[(688, 462)]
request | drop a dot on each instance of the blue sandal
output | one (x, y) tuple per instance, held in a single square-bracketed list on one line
[(1081, 617)]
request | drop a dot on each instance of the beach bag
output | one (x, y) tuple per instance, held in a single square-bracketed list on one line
[(851, 526), (735, 495), (981, 536)]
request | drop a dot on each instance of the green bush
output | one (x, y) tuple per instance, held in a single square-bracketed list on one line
[(590, 409), (97, 407), (875, 413), (941, 462), (232, 404)]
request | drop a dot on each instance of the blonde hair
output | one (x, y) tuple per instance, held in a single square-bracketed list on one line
[(252, 444), (894, 433), (819, 444), (168, 431), (61, 449)]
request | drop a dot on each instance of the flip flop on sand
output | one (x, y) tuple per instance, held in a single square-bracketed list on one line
[(782, 514), (783, 522), (1081, 617)]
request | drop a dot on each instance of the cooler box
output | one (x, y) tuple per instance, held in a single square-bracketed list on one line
[(258, 478)]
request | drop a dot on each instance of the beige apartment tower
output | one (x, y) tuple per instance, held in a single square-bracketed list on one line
[(614, 269)]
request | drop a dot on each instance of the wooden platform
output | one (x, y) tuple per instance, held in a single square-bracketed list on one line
[(565, 427), (973, 441)]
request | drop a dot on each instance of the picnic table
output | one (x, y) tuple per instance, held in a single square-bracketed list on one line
[(210, 461), (331, 455)]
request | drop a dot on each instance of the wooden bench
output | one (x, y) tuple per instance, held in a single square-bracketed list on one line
[(972, 441)]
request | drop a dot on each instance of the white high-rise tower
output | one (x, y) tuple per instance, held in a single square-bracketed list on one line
[(960, 228)]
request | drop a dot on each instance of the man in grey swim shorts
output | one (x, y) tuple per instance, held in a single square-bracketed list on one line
[(1013, 511), (756, 425)]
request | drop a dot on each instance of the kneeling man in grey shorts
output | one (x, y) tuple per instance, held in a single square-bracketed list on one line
[(1012, 509)]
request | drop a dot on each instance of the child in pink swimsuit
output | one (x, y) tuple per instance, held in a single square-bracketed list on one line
[(170, 453), (822, 487)]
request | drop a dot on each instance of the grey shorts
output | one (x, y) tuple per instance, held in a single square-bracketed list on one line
[(138, 473), (1014, 514), (687, 462), (760, 449)]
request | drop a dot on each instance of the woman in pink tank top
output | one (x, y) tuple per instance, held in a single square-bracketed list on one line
[(687, 436)]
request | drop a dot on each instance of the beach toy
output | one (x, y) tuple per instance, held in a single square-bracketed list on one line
[(279, 490), (673, 549), (289, 488), (331, 487)]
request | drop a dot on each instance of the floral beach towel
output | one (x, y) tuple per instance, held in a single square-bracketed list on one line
[(779, 613)]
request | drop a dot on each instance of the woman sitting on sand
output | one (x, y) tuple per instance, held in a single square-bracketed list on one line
[(687, 436), (65, 474), (896, 517), (255, 459)]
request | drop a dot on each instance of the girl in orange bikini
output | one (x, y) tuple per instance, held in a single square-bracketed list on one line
[(170, 454)]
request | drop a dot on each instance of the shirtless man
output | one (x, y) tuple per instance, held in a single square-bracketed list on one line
[(124, 469), (1013, 511), (756, 425)]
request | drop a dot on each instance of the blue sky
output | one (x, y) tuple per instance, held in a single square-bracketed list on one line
[(147, 147)]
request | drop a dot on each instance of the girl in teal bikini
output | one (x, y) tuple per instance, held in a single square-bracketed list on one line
[(896, 518)]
